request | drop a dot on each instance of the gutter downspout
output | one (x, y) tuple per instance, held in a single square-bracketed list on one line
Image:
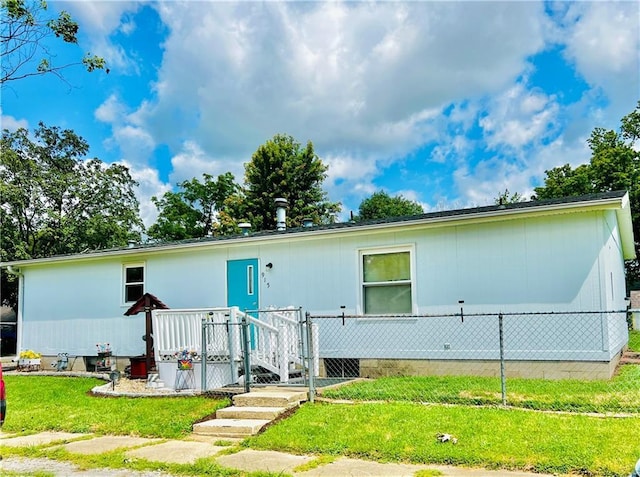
[(20, 275)]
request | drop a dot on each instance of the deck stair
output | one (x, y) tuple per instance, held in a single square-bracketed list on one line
[(251, 412)]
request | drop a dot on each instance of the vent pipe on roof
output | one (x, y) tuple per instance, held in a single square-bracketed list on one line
[(245, 227), (131, 243), (281, 213), (307, 222)]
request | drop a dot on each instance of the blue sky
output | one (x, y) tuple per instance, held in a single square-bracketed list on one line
[(446, 103)]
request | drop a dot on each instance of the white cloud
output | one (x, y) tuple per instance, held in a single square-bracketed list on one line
[(519, 117), (355, 75), (371, 82), (603, 39), (11, 123), (99, 20), (193, 161), (149, 185), (136, 144), (111, 110)]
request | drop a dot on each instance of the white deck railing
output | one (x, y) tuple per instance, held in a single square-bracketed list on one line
[(274, 337)]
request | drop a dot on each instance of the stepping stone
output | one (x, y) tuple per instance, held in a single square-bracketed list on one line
[(362, 468), (102, 444), (267, 461), (39, 439), (176, 452)]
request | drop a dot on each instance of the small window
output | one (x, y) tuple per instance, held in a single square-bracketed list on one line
[(386, 282), (133, 282)]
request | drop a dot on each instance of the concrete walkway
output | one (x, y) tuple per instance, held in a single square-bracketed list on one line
[(187, 451)]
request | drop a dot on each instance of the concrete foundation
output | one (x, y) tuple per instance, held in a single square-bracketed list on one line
[(376, 368)]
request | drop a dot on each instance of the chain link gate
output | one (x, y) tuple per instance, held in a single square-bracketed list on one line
[(222, 353), (254, 347)]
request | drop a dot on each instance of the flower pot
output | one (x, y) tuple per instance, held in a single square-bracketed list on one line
[(29, 364)]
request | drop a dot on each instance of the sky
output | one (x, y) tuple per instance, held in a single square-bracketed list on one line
[(447, 103)]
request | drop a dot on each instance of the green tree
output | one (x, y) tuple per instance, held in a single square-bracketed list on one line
[(25, 30), (193, 211), (54, 202), (282, 167), (507, 197), (380, 205), (614, 165)]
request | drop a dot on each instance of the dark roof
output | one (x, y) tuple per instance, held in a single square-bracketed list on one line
[(490, 209), (407, 218), (146, 300)]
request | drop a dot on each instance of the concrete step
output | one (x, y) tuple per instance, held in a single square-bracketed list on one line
[(230, 427), (270, 399), (246, 412)]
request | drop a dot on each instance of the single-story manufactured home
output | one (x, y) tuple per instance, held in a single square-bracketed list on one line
[(548, 256)]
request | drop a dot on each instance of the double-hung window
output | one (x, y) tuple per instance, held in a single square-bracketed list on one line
[(133, 282), (386, 281)]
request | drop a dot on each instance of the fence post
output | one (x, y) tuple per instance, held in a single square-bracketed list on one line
[(503, 378), (203, 357), (246, 353), (310, 360)]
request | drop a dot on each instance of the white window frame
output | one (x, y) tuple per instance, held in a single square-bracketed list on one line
[(123, 289), (410, 248)]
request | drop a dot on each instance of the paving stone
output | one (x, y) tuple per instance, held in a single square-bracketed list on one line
[(39, 439), (362, 468), (176, 452), (102, 444), (268, 461)]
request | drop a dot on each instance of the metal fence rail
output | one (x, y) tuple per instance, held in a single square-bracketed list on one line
[(547, 360)]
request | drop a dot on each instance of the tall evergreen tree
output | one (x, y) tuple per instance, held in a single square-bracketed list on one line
[(282, 167)]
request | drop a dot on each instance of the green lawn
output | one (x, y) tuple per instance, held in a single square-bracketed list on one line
[(620, 394), (39, 403), (387, 431), (487, 437), (634, 340)]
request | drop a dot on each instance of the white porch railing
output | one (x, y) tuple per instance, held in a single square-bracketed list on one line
[(274, 338)]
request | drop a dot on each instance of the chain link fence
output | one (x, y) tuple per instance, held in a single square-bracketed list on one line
[(560, 361)]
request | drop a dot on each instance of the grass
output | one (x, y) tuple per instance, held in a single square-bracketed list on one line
[(634, 340), (620, 394), (490, 437), (487, 437), (43, 403)]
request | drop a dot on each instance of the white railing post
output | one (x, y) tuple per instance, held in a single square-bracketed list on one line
[(283, 351), (232, 326)]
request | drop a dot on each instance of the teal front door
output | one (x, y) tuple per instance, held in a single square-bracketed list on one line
[(242, 288), (242, 284)]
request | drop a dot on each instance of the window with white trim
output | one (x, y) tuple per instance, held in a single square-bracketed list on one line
[(133, 275), (386, 281)]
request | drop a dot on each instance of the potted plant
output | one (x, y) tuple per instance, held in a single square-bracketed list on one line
[(185, 359), (29, 360)]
